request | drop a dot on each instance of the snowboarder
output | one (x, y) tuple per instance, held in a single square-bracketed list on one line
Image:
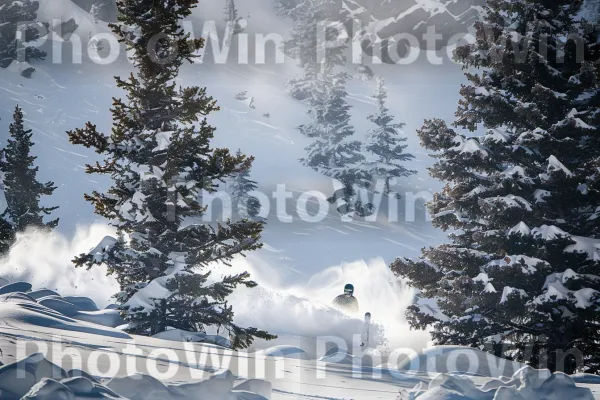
[(347, 301)]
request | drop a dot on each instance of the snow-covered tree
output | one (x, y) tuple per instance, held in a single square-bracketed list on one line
[(231, 17), (22, 190), (520, 275), (246, 205), (386, 142), (334, 152), (292, 9), (302, 45), (18, 16), (7, 236), (160, 160)]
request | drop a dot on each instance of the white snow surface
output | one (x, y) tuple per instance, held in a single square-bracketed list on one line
[(34, 340), (192, 371)]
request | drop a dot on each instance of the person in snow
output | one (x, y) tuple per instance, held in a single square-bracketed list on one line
[(347, 301)]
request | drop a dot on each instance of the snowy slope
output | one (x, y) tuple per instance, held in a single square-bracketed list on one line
[(64, 96), (53, 11), (65, 364), (303, 265), (392, 18)]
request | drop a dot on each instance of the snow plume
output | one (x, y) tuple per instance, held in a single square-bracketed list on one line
[(305, 312), (298, 314), (379, 292), (44, 260)]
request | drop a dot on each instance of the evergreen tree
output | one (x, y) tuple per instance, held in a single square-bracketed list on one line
[(22, 190), (323, 86), (303, 46), (7, 236), (386, 143), (292, 9), (333, 153), (231, 16), (160, 160), (521, 273), (246, 206), (15, 16)]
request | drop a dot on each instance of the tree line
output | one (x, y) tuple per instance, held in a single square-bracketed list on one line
[(520, 273)]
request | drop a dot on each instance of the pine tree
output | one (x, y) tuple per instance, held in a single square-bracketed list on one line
[(323, 85), (303, 47), (246, 206), (160, 161), (7, 236), (333, 152), (386, 143), (521, 274), (22, 190), (13, 17), (292, 9), (231, 17)]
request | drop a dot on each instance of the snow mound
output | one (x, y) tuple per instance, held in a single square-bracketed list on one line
[(255, 386), (56, 12), (17, 296), (75, 307), (69, 389), (284, 352), (60, 305), (526, 384), (22, 287), (41, 293), (84, 303), (458, 359), (180, 335), (28, 312), (110, 318), (217, 387), (339, 356), (35, 377), (17, 378)]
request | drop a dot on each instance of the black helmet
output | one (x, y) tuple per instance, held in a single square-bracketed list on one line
[(349, 288)]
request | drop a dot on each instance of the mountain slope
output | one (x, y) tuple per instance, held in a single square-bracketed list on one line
[(391, 18)]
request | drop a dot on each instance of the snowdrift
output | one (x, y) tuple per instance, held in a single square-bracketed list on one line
[(56, 12), (25, 310), (526, 384), (466, 374), (458, 359), (76, 307), (179, 335), (34, 377), (292, 352)]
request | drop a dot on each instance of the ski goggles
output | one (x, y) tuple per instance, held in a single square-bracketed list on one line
[(348, 291)]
